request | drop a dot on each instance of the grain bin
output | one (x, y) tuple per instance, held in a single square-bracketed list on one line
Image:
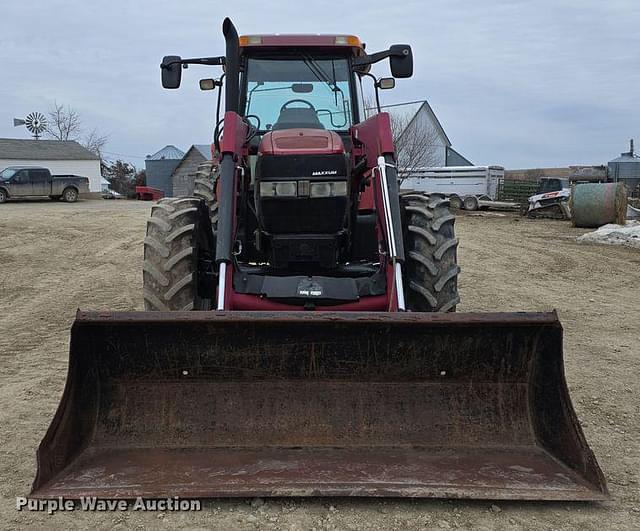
[(626, 169), (159, 168)]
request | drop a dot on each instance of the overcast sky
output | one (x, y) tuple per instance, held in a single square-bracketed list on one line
[(517, 83)]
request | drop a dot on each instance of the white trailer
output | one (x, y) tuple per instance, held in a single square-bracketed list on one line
[(468, 187)]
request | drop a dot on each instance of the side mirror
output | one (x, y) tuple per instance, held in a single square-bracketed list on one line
[(385, 83), (401, 60), (207, 84), (171, 71)]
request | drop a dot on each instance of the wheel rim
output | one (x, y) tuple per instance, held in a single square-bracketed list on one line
[(70, 195), (471, 204)]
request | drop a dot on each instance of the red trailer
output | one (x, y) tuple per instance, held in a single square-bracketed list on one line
[(147, 193)]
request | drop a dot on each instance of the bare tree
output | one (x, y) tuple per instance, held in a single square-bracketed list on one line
[(95, 142), (65, 123), (417, 141)]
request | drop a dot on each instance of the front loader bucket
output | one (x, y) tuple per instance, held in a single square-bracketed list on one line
[(204, 404)]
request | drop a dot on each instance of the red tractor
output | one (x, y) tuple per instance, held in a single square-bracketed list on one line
[(303, 211), (324, 357)]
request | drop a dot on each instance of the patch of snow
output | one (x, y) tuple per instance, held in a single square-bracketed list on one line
[(612, 234)]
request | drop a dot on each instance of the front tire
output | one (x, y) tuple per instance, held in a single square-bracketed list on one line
[(430, 272), (179, 252), (3, 196)]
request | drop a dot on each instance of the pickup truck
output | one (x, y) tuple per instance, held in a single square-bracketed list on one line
[(32, 181)]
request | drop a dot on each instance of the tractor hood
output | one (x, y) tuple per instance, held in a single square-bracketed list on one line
[(299, 141)]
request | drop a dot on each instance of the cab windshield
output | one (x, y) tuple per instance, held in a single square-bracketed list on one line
[(302, 91), (7, 173)]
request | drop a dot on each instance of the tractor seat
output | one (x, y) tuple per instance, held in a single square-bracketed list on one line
[(296, 118)]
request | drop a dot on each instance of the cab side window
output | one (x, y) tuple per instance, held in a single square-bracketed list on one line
[(37, 176), (21, 177)]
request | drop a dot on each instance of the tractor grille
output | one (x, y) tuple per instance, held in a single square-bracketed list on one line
[(285, 167)]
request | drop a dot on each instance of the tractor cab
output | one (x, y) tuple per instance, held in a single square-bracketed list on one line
[(300, 81), (553, 184), (298, 92), (302, 94)]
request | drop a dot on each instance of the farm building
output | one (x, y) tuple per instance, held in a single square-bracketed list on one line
[(159, 168), (420, 138), (59, 156), (184, 175), (626, 169)]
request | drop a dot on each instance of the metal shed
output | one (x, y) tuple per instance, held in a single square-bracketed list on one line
[(184, 175), (159, 168)]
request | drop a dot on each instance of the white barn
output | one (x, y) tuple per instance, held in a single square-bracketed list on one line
[(60, 157)]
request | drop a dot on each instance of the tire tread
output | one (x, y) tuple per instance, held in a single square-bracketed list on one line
[(430, 269)]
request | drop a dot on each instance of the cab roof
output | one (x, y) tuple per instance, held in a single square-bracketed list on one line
[(296, 40)]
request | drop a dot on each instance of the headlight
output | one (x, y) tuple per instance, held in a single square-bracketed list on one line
[(279, 189), (331, 189), (320, 190), (287, 189), (303, 189)]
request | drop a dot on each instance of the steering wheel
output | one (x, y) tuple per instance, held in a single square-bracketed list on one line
[(286, 104)]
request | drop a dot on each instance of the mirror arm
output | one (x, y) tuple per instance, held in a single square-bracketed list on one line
[(215, 61), (375, 57), (375, 85)]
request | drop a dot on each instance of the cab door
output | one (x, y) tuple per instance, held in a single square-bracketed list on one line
[(21, 184)]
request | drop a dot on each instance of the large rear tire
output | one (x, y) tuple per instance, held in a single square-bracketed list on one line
[(179, 252), (430, 246)]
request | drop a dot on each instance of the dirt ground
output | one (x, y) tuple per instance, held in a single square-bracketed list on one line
[(56, 257)]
